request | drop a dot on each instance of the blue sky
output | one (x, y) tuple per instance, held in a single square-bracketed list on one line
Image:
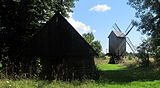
[(99, 16)]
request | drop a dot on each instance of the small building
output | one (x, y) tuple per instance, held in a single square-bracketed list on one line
[(63, 51), (117, 43)]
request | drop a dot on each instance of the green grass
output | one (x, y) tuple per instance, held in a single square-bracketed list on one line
[(75, 84), (111, 76), (105, 66), (0, 64)]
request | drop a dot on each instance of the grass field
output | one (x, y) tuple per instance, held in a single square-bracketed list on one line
[(111, 76)]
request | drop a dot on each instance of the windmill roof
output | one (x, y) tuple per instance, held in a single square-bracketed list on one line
[(118, 33)]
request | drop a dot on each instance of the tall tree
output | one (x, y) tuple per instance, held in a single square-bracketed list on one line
[(20, 20), (144, 49), (89, 37), (97, 47), (25, 17), (148, 11)]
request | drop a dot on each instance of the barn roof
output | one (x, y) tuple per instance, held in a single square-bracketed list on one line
[(117, 33), (59, 38)]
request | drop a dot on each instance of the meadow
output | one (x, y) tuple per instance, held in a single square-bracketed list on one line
[(111, 76)]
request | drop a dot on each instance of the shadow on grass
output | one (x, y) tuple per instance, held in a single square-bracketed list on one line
[(129, 74)]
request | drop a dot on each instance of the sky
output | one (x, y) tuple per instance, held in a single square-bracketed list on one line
[(99, 16)]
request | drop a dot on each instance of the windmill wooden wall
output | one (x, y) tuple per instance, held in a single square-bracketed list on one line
[(64, 53), (117, 43)]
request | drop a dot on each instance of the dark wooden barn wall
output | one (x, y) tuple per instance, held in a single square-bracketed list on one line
[(63, 51)]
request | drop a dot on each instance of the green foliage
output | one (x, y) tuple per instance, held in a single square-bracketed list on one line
[(97, 47), (149, 14), (89, 37), (157, 55), (130, 56), (20, 20), (144, 50), (148, 11)]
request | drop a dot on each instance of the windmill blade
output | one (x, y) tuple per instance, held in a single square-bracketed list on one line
[(130, 47), (114, 28), (130, 44), (128, 27), (129, 31), (118, 27)]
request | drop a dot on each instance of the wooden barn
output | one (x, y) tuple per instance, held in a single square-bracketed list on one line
[(117, 46), (63, 53)]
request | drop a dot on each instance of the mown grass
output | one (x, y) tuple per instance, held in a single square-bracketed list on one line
[(111, 76), (105, 66)]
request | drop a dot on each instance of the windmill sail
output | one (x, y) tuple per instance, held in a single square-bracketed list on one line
[(129, 30), (114, 28), (128, 27), (130, 44), (118, 27)]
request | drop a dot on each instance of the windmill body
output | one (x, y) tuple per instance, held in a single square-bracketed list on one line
[(117, 44)]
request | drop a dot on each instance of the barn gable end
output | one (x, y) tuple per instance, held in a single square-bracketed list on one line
[(59, 35), (63, 51)]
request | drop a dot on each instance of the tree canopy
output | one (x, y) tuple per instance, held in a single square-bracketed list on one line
[(148, 12), (89, 37), (20, 20), (22, 16)]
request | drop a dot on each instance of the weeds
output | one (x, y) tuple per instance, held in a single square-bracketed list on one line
[(111, 76)]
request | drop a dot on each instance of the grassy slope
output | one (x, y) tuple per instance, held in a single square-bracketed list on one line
[(111, 76), (119, 76)]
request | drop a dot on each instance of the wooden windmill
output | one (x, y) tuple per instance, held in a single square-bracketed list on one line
[(117, 44)]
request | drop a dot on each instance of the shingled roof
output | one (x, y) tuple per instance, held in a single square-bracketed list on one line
[(117, 33)]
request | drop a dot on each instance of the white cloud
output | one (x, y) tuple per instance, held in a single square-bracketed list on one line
[(93, 31), (78, 25), (100, 8)]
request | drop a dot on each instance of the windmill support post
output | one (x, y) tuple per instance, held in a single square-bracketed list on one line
[(116, 59)]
